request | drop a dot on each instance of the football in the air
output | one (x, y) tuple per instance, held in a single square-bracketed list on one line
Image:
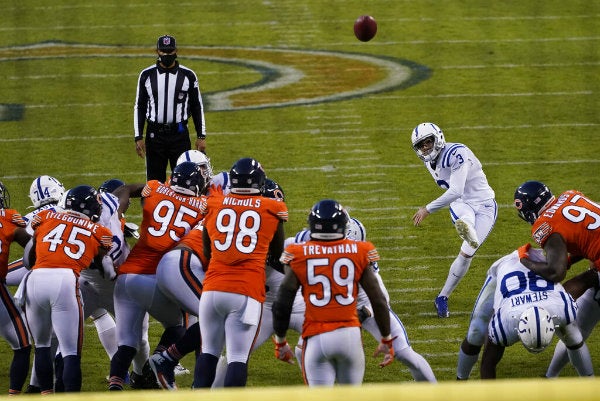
[(365, 28)]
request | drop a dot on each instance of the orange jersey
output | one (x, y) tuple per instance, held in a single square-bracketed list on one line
[(240, 229), (193, 240), (166, 217), (66, 240), (329, 273), (10, 220), (577, 219)]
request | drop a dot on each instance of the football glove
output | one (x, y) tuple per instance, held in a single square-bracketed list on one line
[(524, 250), (385, 347), (283, 352), (131, 230), (108, 268)]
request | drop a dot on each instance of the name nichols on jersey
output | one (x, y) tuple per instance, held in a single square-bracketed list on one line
[(247, 202), (528, 298), (329, 250)]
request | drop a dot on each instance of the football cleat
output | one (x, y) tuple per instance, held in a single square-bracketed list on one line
[(467, 233), (441, 305), (145, 381), (163, 371), (31, 389), (181, 370)]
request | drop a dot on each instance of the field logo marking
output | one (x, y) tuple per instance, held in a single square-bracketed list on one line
[(286, 77)]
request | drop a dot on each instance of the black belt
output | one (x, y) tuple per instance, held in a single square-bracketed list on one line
[(165, 128)]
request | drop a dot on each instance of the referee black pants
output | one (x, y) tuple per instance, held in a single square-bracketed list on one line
[(163, 149)]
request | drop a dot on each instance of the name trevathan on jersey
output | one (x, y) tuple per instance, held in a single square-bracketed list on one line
[(329, 250)]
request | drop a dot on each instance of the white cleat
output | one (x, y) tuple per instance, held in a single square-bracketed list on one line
[(467, 233), (181, 370)]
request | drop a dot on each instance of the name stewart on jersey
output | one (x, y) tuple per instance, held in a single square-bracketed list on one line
[(190, 200), (329, 250), (79, 221)]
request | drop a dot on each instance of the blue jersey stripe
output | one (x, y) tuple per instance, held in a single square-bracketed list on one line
[(448, 154)]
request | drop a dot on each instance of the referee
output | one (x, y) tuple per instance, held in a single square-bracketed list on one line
[(167, 96)]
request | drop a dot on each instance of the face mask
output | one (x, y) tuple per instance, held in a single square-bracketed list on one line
[(167, 59)]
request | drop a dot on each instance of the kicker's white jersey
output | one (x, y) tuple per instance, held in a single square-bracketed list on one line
[(460, 173)]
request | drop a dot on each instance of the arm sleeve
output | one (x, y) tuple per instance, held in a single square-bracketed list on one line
[(196, 106), (139, 108)]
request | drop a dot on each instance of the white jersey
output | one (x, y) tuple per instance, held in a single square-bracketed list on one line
[(460, 173), (517, 289), (110, 218), (29, 216), (221, 182)]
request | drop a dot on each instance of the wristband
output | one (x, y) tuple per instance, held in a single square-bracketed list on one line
[(201, 136), (280, 340), (138, 138)]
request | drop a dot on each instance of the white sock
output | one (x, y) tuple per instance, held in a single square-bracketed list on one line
[(581, 360), (298, 353), (418, 366), (458, 269), (220, 373), (465, 365), (107, 333)]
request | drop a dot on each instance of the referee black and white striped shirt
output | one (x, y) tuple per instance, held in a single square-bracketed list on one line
[(166, 96)]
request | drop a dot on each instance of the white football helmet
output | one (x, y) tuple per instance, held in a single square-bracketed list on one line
[(536, 329), (355, 230), (424, 131), (200, 159), (45, 190)]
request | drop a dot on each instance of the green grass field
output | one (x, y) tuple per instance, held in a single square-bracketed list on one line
[(286, 82)]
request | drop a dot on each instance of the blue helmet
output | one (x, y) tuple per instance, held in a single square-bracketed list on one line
[(327, 220), (530, 198), (273, 190), (110, 185), (187, 179), (247, 177), (84, 199)]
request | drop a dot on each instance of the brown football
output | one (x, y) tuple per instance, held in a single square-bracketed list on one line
[(365, 28)]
